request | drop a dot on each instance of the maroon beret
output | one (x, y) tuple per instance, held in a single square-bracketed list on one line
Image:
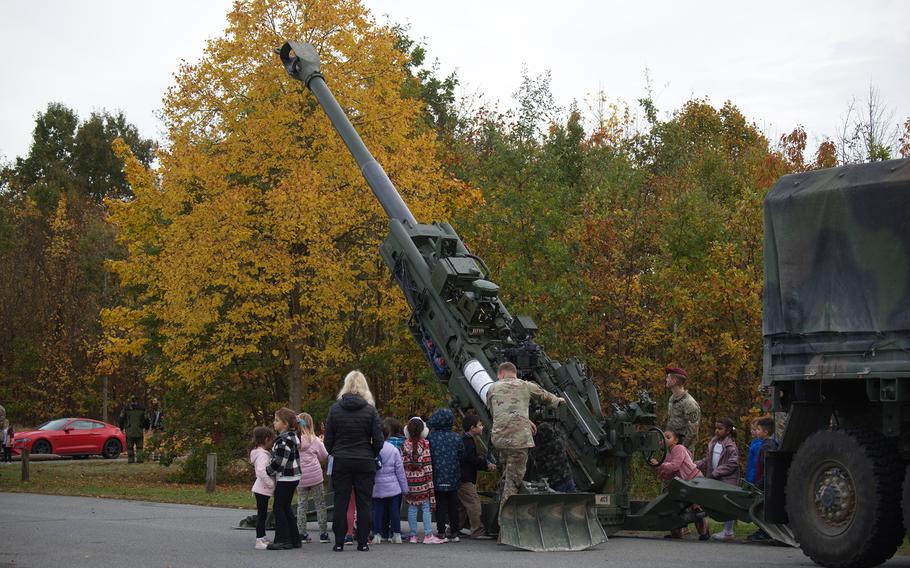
[(676, 371)]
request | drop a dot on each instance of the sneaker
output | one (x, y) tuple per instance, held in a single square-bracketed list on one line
[(376, 539), (413, 539), (705, 536), (324, 537), (305, 538), (433, 539), (481, 535), (758, 536), (396, 538), (261, 544), (338, 547), (722, 536), (452, 538), (348, 540)]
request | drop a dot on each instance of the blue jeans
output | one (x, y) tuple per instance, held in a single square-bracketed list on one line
[(427, 519), (387, 516)]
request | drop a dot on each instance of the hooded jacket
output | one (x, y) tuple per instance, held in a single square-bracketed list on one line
[(265, 483), (447, 451), (390, 479), (312, 452), (353, 431)]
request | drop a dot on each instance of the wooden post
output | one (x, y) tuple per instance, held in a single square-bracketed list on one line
[(24, 464), (211, 464)]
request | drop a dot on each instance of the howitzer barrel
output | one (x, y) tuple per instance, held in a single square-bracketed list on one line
[(302, 63)]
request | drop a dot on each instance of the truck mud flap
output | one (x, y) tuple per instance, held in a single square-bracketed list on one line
[(550, 522), (780, 533)]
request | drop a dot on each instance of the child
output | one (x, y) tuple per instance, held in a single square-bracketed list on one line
[(678, 463), (9, 438), (312, 452), (285, 465), (265, 485), (389, 485), (394, 426), (418, 469), (722, 463), (473, 460), (763, 442), (448, 450)]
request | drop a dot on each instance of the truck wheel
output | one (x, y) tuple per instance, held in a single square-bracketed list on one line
[(843, 498)]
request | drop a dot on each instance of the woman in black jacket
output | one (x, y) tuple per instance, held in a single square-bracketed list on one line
[(353, 438)]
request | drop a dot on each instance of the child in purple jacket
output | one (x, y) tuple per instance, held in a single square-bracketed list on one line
[(389, 486)]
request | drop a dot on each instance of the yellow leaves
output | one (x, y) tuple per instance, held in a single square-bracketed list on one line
[(257, 233)]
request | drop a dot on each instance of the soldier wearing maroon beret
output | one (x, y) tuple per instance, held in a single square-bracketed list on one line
[(683, 413)]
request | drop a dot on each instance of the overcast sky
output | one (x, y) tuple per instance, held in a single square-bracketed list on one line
[(782, 63)]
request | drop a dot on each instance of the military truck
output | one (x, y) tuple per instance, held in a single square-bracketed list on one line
[(836, 328)]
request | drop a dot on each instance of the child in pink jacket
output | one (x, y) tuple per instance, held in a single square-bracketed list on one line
[(312, 453), (264, 487), (678, 463)]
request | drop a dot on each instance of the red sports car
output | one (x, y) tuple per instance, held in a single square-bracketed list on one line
[(72, 437)]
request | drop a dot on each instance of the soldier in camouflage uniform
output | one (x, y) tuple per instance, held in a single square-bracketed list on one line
[(683, 413), (508, 400)]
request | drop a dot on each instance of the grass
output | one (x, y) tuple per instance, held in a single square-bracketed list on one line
[(118, 480)]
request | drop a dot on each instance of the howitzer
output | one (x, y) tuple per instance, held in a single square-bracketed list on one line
[(465, 332)]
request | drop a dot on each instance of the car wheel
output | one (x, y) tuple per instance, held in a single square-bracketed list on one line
[(112, 449), (843, 498), (41, 447)]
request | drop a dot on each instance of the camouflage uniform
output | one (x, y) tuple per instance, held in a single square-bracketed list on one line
[(548, 459), (683, 416), (508, 400)]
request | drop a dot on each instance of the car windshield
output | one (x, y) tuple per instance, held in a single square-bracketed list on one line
[(54, 424)]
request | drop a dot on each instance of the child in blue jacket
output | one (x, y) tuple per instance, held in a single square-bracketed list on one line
[(447, 452)]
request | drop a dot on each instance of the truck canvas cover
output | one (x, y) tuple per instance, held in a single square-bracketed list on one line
[(837, 261), (837, 250)]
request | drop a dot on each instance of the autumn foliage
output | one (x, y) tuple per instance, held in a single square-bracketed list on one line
[(240, 271)]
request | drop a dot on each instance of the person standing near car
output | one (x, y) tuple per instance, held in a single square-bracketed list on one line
[(134, 421)]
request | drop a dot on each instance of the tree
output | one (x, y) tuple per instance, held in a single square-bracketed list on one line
[(253, 246), (868, 132), (52, 262), (673, 254)]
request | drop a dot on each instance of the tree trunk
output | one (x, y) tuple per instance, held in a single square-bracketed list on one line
[(295, 354)]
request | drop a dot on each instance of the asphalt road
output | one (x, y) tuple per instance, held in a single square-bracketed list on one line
[(42, 531)]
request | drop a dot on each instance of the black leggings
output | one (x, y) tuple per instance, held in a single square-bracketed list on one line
[(285, 522), (262, 513), (447, 512), (343, 482)]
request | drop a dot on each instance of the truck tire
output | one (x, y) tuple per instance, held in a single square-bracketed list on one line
[(843, 498)]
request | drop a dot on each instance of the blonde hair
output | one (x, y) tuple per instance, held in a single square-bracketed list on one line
[(356, 383), (306, 425)]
